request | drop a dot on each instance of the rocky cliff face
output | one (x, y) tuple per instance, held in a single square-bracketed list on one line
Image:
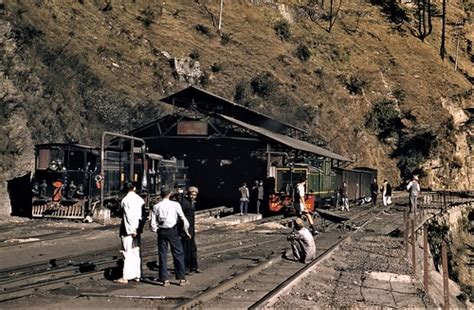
[(16, 143), (367, 88)]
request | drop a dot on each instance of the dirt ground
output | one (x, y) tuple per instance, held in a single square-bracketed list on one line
[(370, 270)]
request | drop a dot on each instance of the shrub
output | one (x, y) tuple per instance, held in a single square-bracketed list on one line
[(263, 84), (282, 29), (399, 94), (205, 79), (412, 151), (319, 71), (384, 118), (225, 38), (216, 67), (195, 55), (355, 84), (147, 17), (242, 92), (203, 29), (302, 52), (395, 13)]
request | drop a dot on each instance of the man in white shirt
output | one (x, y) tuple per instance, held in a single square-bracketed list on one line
[(164, 220), (414, 189), (131, 207)]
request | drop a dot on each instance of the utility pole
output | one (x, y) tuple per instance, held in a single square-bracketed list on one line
[(220, 15), (459, 28)]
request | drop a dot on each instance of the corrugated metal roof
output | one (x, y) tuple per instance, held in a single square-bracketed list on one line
[(288, 141), (207, 101)]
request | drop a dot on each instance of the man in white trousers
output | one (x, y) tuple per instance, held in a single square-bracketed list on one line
[(131, 207)]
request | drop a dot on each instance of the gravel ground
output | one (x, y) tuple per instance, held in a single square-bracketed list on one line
[(367, 271)]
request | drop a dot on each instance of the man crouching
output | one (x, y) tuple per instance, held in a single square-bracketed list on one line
[(302, 243)]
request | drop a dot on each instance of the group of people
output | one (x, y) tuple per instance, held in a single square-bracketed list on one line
[(413, 189), (254, 196), (385, 189), (172, 221)]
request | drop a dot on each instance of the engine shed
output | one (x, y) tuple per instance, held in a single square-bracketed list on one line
[(224, 144)]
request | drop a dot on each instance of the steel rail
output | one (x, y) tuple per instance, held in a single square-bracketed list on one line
[(56, 236), (17, 288), (271, 297)]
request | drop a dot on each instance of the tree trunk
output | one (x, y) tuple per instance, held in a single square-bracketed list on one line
[(442, 50)]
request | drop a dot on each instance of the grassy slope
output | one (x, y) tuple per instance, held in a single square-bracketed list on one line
[(88, 42)]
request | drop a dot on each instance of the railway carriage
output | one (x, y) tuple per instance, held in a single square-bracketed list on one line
[(322, 185), (358, 182)]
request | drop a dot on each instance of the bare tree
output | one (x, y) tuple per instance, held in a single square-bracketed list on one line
[(206, 11), (332, 15), (425, 26), (442, 50)]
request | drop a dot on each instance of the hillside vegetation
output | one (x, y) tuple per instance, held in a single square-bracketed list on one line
[(361, 80)]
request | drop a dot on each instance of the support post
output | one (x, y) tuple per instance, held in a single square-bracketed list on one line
[(269, 159), (444, 259), (405, 235), (425, 258), (132, 161), (444, 201), (413, 245)]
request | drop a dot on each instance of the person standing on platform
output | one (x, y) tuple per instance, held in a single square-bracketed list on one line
[(164, 221), (413, 189), (343, 191), (300, 202), (260, 195), (189, 244), (302, 243), (386, 193), (131, 207), (244, 199), (253, 196), (374, 191)]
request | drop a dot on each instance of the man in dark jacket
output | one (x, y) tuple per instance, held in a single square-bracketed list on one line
[(189, 244), (344, 197), (374, 190)]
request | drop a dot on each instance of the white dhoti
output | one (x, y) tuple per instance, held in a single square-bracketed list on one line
[(131, 258)]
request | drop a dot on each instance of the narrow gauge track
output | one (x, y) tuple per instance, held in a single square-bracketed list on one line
[(261, 284), (47, 275), (86, 260), (30, 279), (73, 232)]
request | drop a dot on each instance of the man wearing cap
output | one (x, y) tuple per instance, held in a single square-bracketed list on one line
[(302, 243), (164, 220), (414, 189), (189, 244), (131, 207)]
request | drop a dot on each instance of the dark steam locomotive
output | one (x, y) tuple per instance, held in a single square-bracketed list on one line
[(71, 180)]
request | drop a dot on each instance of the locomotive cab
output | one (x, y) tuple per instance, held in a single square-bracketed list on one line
[(319, 186)]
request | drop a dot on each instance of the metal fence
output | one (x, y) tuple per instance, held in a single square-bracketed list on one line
[(431, 205)]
